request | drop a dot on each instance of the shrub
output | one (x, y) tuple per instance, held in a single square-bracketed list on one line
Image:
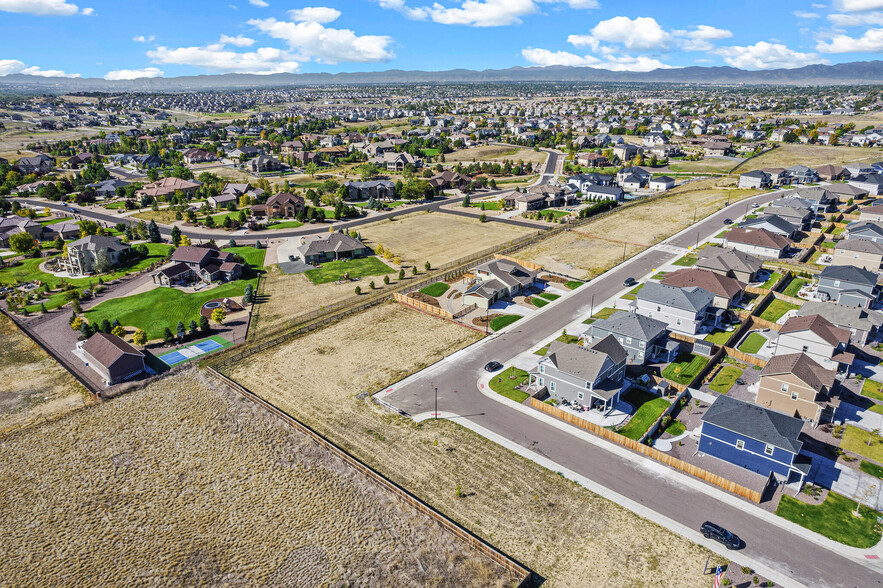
[(358, 290), (386, 279), (371, 285)]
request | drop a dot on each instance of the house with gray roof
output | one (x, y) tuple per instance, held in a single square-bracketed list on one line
[(592, 376), (684, 310), (800, 217), (872, 231), (497, 279), (821, 199), (772, 223), (848, 285), (863, 324), (642, 337), (330, 247), (382, 189), (88, 254), (756, 179), (859, 253), (731, 263), (870, 183)]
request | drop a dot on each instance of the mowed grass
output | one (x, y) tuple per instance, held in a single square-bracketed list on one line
[(435, 290), (725, 379), (871, 468), (794, 286), (504, 383), (687, 260), (776, 309), (752, 343), (685, 368), (718, 337), (871, 389), (856, 441), (771, 281), (285, 225), (648, 408), (833, 519), (502, 322), (356, 268)]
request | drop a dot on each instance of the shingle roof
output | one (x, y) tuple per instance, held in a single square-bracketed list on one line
[(816, 324), (630, 324), (107, 349), (586, 363), (717, 284), (803, 367), (97, 243), (693, 299), (777, 222), (757, 237), (730, 259), (191, 254), (849, 273), (755, 422), (851, 317), (860, 245)]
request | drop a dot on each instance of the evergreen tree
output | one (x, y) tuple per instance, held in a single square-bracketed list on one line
[(203, 324), (167, 335), (105, 326), (180, 330), (153, 232), (193, 327), (176, 236)]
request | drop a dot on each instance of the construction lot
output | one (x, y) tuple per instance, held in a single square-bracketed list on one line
[(498, 153), (185, 483), (33, 386), (555, 527)]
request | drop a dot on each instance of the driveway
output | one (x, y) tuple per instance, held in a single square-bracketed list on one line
[(843, 480)]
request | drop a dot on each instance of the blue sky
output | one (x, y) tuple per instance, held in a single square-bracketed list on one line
[(123, 40)]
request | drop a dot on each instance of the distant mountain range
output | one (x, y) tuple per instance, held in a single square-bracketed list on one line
[(858, 72)]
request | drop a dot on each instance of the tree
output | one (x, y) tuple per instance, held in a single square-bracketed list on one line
[(153, 232), (102, 261), (467, 202), (118, 331), (482, 218), (176, 236), (203, 324), (185, 241), (180, 330), (86, 330), (193, 327), (426, 266), (58, 243), (386, 280), (76, 305), (371, 285), (358, 290), (402, 274), (139, 338), (77, 323), (219, 315), (311, 169), (414, 270), (22, 243), (105, 326), (210, 222), (248, 295), (167, 335)]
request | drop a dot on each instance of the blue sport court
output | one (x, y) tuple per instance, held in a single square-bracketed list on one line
[(192, 351)]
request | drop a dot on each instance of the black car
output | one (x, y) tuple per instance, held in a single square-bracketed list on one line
[(629, 282), (728, 221), (493, 366), (721, 535)]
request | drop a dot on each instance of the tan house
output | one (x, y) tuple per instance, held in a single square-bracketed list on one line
[(861, 253), (113, 359), (817, 337), (167, 186), (757, 242), (796, 385), (872, 214), (279, 205)]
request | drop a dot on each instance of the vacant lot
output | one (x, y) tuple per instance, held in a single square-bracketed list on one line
[(811, 155), (184, 484), (721, 165), (568, 535), (597, 246), (496, 153), (33, 386), (437, 237)]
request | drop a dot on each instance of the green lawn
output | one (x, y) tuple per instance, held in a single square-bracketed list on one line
[(538, 302), (488, 204), (115, 205), (504, 383), (55, 220), (285, 225), (685, 368), (676, 428), (430, 152), (632, 294), (234, 216), (253, 257), (871, 389), (550, 296), (871, 468), (435, 290), (856, 441), (356, 268), (564, 338), (718, 337), (503, 321), (834, 519), (776, 309), (601, 314), (649, 407), (774, 277), (658, 275), (687, 260), (752, 343), (725, 379), (794, 286), (573, 284)]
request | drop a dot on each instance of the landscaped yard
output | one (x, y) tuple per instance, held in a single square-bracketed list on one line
[(549, 296), (718, 337), (752, 343), (771, 281), (435, 290), (834, 519), (538, 302), (776, 309), (504, 383), (856, 441), (573, 284), (356, 268), (685, 368), (564, 338), (687, 260), (871, 389), (632, 294), (725, 379), (794, 286), (285, 225), (871, 468), (488, 204), (648, 408), (503, 321)]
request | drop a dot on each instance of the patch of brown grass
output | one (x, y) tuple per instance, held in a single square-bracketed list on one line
[(787, 155), (496, 153)]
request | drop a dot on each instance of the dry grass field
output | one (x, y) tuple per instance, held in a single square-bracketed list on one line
[(597, 246), (437, 237), (496, 153), (787, 155), (565, 533), (721, 165), (183, 484), (33, 386)]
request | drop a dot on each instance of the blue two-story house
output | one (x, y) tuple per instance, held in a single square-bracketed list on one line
[(848, 285), (758, 439)]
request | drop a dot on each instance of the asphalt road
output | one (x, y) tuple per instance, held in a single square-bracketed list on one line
[(457, 393)]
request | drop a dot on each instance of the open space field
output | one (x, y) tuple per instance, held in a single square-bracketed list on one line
[(575, 254), (811, 155), (34, 385), (182, 483), (437, 237), (527, 511), (496, 153), (164, 216), (720, 165)]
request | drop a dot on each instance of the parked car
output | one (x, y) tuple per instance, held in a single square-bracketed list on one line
[(728, 221), (629, 282), (721, 535), (493, 366)]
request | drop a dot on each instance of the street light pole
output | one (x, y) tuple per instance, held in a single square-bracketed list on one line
[(436, 402)]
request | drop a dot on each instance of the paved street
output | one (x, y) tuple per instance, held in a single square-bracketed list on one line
[(650, 484)]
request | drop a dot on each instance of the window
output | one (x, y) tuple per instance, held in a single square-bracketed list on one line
[(588, 385), (768, 449), (658, 308), (642, 344), (540, 380), (628, 340), (579, 395), (805, 348), (740, 444), (784, 387), (542, 369), (795, 395), (836, 282), (552, 386)]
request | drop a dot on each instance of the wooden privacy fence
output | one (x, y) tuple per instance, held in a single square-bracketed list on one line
[(741, 356), (422, 306), (671, 408), (527, 264), (523, 575), (659, 456), (789, 299)]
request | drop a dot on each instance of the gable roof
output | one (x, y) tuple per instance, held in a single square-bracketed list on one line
[(755, 422), (693, 298), (860, 245), (717, 284), (730, 259), (849, 273), (852, 317), (97, 243), (772, 220), (586, 363), (818, 325), (801, 366), (630, 324), (757, 237), (108, 349)]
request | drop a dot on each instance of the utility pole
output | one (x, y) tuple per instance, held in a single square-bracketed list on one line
[(436, 402), (623, 253), (592, 308)]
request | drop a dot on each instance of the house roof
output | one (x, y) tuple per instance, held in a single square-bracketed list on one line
[(846, 190), (873, 179), (176, 269), (717, 284), (849, 273), (630, 324), (730, 259), (284, 198), (771, 220), (192, 254), (508, 272), (755, 422), (107, 349), (757, 237), (801, 366), (692, 298), (586, 363), (818, 325), (850, 317), (868, 226), (860, 245), (330, 243), (97, 243)]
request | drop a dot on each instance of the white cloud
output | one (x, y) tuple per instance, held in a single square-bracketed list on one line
[(642, 33), (700, 38), (313, 41), (870, 42), (804, 14), (143, 39), (232, 7), (479, 13), (857, 5), (43, 7), (620, 62), (856, 20), (88, 12), (258, 3), (765, 55), (133, 74), (320, 14), (237, 41), (578, 4), (14, 66), (265, 60)]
